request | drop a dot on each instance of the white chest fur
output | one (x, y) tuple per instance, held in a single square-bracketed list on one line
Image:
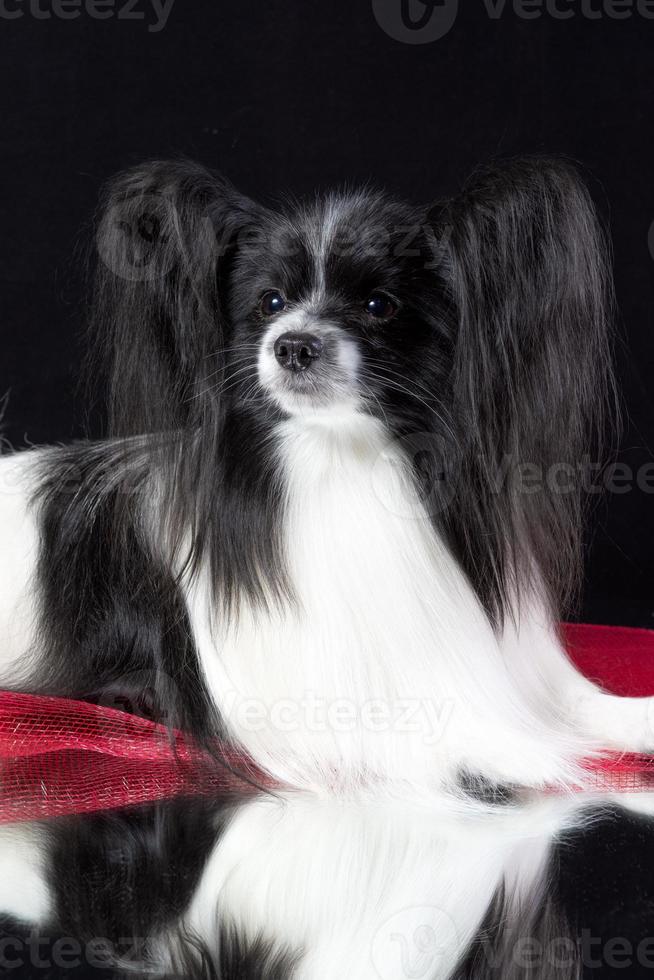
[(386, 668)]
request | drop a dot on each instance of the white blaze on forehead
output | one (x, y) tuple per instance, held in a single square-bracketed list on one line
[(321, 242), (339, 370)]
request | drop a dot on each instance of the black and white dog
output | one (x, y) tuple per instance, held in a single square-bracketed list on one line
[(336, 522)]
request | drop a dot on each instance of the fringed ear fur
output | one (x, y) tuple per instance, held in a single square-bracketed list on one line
[(165, 234), (527, 265)]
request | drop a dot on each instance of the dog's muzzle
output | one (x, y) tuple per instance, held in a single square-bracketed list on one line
[(307, 367)]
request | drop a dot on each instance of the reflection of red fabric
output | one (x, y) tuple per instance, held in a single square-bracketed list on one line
[(61, 757)]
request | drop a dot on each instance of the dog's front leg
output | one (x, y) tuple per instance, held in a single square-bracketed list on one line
[(550, 682), (625, 724)]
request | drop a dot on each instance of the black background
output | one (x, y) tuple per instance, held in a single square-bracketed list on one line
[(299, 96)]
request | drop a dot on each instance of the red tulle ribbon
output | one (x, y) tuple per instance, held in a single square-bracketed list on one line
[(60, 757)]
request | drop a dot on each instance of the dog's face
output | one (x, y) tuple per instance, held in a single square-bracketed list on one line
[(338, 307)]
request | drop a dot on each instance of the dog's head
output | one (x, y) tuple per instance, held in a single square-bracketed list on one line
[(480, 320), (323, 308), (340, 302)]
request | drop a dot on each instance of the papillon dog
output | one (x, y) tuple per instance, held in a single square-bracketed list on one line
[(335, 523)]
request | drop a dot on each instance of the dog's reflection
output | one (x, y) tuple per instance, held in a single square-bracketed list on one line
[(296, 885)]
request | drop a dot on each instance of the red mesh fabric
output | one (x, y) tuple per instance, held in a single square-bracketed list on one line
[(628, 772), (60, 757), (618, 658), (621, 660)]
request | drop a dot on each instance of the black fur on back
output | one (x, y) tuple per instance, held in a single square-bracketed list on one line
[(114, 627)]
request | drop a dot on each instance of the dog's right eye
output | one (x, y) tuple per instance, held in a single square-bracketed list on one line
[(272, 302)]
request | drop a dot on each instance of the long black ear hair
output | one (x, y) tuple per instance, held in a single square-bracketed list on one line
[(167, 240), (526, 263), (165, 235)]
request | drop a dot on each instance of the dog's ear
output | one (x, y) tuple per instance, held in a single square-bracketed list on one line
[(525, 264), (166, 233)]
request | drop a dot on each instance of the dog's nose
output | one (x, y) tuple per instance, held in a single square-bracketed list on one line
[(297, 351)]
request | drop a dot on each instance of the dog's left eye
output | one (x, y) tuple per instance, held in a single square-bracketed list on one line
[(272, 302), (380, 306)]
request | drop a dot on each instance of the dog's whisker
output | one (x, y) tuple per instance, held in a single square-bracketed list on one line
[(246, 359), (223, 386), (406, 391), (227, 350)]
